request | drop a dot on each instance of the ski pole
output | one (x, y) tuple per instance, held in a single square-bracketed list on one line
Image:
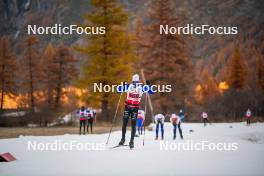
[(145, 119), (146, 102), (149, 100), (113, 121)]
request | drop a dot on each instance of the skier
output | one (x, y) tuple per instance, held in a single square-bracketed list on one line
[(205, 118), (181, 115), (82, 118), (176, 121), (94, 115), (134, 94), (159, 120), (248, 116), (140, 121), (90, 119)]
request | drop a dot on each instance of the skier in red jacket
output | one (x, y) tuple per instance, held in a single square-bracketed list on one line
[(134, 94)]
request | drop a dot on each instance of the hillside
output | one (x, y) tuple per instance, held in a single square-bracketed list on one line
[(246, 14)]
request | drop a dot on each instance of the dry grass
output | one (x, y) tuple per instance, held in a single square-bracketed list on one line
[(13, 132)]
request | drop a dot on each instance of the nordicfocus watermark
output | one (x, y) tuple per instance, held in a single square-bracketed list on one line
[(58, 29), (191, 29), (58, 145), (191, 145), (100, 87)]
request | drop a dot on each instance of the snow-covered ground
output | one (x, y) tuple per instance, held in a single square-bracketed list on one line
[(248, 159)]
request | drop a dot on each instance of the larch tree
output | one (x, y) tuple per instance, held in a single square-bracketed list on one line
[(260, 72), (139, 41), (236, 79), (63, 68), (30, 70), (166, 58), (209, 85), (109, 56), (47, 75), (8, 66), (237, 71)]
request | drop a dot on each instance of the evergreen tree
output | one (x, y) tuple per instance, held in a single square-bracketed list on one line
[(166, 58), (8, 67), (109, 56), (237, 71)]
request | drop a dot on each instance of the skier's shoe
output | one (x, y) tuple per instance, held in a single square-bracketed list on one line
[(162, 137), (122, 142), (136, 135), (156, 138), (174, 137), (181, 137), (131, 144)]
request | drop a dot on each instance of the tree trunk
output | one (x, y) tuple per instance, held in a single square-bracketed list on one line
[(32, 100), (58, 88), (3, 89), (2, 101), (104, 105)]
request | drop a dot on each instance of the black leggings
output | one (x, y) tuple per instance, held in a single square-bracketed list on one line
[(159, 123), (82, 124), (175, 129), (129, 112), (248, 121), (90, 123), (205, 120)]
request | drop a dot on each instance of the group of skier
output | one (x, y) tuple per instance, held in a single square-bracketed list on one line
[(87, 117), (131, 110), (175, 120), (248, 116)]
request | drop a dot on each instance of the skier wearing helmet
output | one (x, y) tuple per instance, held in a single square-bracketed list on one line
[(134, 94)]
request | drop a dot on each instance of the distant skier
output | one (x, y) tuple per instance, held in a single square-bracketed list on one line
[(140, 121), (159, 120), (90, 119), (132, 102), (205, 118), (82, 118), (176, 122), (248, 116), (181, 115), (94, 116)]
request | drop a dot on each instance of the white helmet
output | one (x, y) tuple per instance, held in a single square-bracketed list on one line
[(135, 78)]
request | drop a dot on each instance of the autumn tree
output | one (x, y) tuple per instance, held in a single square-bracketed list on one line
[(237, 71), (47, 76), (237, 75), (109, 56), (209, 85), (64, 71), (8, 67), (260, 72), (166, 58), (30, 70), (139, 40)]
